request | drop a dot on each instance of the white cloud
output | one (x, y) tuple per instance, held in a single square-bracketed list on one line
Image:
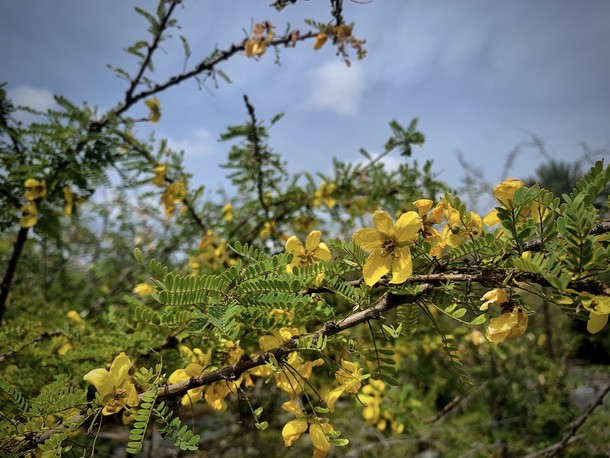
[(199, 143), (335, 87), (38, 99)]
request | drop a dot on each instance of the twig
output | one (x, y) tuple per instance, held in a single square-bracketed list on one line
[(256, 144), (578, 423), (9, 275)]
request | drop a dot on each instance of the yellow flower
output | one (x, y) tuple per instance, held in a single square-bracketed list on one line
[(114, 387), (506, 190), (304, 222), (69, 197), (227, 212), (349, 377), (293, 430), (320, 40), (458, 230), (30, 215), (159, 178), (155, 109), (511, 323), (174, 194), (317, 428), (143, 289), (262, 35), (75, 319), (599, 308), (343, 31), (390, 245), (35, 189), (267, 229), (495, 296), (323, 195), (199, 360), (313, 251)]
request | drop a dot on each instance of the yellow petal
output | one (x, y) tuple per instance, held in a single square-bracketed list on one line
[(423, 205), (384, 223), (596, 322), (101, 380), (320, 40), (407, 227), (119, 368), (402, 266), (507, 189), (332, 396), (491, 219), (293, 430), (375, 267), (293, 245), (319, 439), (368, 238), (292, 407), (313, 240), (322, 252)]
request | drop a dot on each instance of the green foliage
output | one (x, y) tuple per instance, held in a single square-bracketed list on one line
[(232, 315)]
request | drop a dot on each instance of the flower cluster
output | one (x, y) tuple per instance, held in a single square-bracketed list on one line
[(115, 388), (34, 190), (390, 246), (512, 322), (262, 36)]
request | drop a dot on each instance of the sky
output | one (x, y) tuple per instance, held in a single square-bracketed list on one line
[(481, 76)]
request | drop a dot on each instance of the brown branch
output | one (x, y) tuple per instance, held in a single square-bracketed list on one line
[(207, 66), (578, 423), (36, 339), (11, 268), (245, 363), (150, 50)]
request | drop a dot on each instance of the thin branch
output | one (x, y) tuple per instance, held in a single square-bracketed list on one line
[(578, 423), (207, 66), (151, 50), (256, 143), (11, 268)]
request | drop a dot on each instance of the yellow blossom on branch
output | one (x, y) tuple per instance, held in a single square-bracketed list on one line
[(198, 362), (159, 178), (143, 289), (350, 379), (69, 198), (174, 194), (320, 40), (317, 428), (313, 251), (598, 307), (494, 296), (35, 189), (429, 219), (30, 215), (114, 386), (459, 228), (390, 246), (155, 109), (227, 212), (262, 35), (323, 195), (511, 323)]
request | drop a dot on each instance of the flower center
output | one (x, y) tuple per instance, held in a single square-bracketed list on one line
[(388, 248)]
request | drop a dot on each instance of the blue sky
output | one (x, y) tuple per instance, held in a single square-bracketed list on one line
[(480, 75)]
